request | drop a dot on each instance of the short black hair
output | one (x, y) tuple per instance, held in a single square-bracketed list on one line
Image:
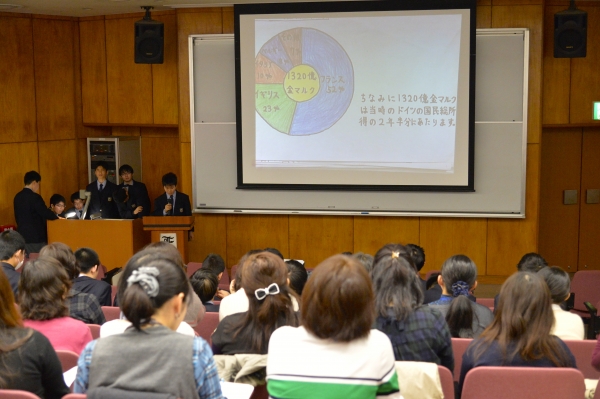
[(56, 198), (214, 263), (125, 168), (169, 179), (86, 259), (417, 254), (531, 262), (101, 163), (297, 274), (76, 196), (10, 242), (31, 176), (120, 195), (205, 284), (558, 282), (274, 251)]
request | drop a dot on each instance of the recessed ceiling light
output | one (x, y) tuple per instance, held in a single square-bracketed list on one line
[(10, 6)]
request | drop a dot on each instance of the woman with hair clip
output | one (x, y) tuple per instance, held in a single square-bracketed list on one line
[(265, 280), (465, 318), (27, 360), (150, 356), (417, 332), (520, 332)]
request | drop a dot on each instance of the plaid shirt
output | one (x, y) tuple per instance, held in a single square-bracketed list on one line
[(423, 336), (85, 307)]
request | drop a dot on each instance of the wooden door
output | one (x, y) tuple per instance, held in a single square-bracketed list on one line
[(589, 225)]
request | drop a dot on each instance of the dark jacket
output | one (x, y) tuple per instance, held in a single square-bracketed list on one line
[(100, 289), (102, 202), (13, 277), (138, 195), (182, 205), (31, 214)]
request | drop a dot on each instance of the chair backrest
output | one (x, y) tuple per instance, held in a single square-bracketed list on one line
[(75, 396), (233, 271), (523, 383), (488, 302), (113, 293), (192, 267), (208, 325), (111, 312), (582, 350), (101, 272), (68, 359), (585, 287), (447, 381), (225, 281), (459, 346), (16, 394), (95, 330)]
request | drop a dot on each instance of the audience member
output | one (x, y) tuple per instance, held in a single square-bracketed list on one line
[(205, 285), (366, 260), (88, 263), (520, 332), (137, 191), (530, 262), (567, 325), (42, 290), (27, 360), (76, 212), (154, 291), (270, 307), (274, 251), (57, 205), (82, 306), (12, 255), (417, 332), (297, 275), (465, 318), (216, 264), (238, 301), (417, 255), (335, 342), (102, 203), (31, 213)]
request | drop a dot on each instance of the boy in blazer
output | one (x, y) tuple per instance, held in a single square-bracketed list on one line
[(101, 200), (172, 202)]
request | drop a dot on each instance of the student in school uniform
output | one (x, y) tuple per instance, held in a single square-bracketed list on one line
[(172, 202), (137, 191), (101, 201)]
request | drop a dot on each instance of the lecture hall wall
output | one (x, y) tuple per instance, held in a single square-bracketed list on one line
[(66, 79)]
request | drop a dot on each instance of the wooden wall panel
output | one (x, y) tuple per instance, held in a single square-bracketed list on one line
[(509, 239), (191, 22), (557, 76), (228, 20), (54, 78), (316, 238), (58, 163), (17, 101), (585, 80), (94, 88), (22, 157), (82, 164), (589, 217), (160, 155), (129, 84), (372, 233), (443, 237), (484, 15), (164, 76), (246, 232), (210, 236)]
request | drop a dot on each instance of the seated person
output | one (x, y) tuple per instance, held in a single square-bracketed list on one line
[(417, 332), (567, 325), (76, 212), (42, 289), (465, 318), (335, 342), (128, 207), (297, 275), (82, 306), (520, 333), (530, 262), (27, 360), (12, 255), (216, 264), (172, 202), (366, 260), (205, 284), (155, 291), (88, 264), (101, 200), (57, 205), (417, 254), (138, 193), (270, 307)]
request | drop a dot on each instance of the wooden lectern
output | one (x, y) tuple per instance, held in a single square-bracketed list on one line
[(171, 229)]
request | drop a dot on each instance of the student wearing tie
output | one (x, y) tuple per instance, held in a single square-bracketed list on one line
[(172, 202), (101, 201), (137, 191), (76, 212)]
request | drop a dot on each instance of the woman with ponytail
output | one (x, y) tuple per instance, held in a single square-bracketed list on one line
[(265, 282), (150, 356), (465, 318)]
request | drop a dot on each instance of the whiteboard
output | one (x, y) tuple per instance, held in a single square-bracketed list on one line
[(500, 142)]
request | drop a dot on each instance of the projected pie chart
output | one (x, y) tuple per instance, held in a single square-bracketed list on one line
[(304, 81)]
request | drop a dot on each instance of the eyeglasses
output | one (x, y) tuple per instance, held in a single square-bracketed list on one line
[(262, 293)]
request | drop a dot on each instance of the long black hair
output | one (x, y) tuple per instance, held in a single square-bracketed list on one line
[(459, 274)]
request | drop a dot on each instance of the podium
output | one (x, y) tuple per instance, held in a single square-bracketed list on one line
[(170, 229), (114, 240)]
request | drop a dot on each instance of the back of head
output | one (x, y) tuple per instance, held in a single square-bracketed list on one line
[(86, 258), (417, 254), (205, 284), (31, 176), (240, 267), (149, 280), (397, 286), (297, 274), (558, 282), (43, 287), (57, 199), (62, 253), (366, 260), (274, 251), (531, 262), (389, 249), (337, 301), (459, 274), (166, 249), (10, 242), (214, 263), (169, 179)]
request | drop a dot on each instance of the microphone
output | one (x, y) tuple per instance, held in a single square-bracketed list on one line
[(170, 201)]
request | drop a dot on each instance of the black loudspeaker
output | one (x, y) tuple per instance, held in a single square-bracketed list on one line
[(149, 42), (570, 33)]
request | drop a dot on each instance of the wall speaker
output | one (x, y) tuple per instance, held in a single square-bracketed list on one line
[(149, 41), (570, 33)]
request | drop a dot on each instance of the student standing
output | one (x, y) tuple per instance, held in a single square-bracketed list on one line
[(101, 201), (137, 192)]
